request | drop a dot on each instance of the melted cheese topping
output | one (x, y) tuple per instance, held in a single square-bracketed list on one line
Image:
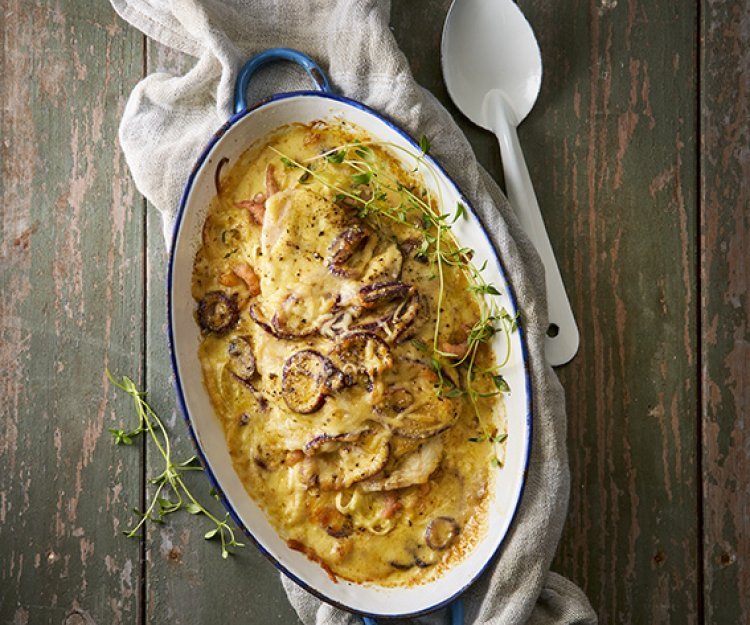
[(322, 383)]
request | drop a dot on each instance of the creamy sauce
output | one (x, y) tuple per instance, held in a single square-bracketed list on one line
[(316, 354)]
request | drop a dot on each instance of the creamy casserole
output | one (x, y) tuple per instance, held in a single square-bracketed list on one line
[(345, 350)]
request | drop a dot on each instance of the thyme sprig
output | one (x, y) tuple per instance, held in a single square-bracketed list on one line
[(377, 194), (170, 492)]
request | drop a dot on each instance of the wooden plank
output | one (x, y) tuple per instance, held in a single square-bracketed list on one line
[(72, 282), (612, 153), (187, 580), (611, 146), (725, 305)]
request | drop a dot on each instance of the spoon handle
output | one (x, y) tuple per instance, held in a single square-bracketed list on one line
[(562, 338)]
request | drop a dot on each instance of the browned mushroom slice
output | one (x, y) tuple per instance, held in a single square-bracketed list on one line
[(362, 353), (217, 312), (241, 357), (411, 406), (409, 316), (352, 462), (304, 382), (402, 566), (414, 468), (375, 324), (330, 442), (441, 533), (335, 523), (350, 252), (372, 295), (256, 314)]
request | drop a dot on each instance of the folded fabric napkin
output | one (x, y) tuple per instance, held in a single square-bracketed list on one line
[(168, 120)]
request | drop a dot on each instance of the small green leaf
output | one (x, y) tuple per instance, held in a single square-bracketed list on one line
[(120, 437), (500, 438), (364, 153), (496, 462), (363, 178), (483, 289), (424, 144), (477, 439), (501, 384), (460, 212), (193, 508), (336, 157), (288, 163), (453, 393), (211, 533)]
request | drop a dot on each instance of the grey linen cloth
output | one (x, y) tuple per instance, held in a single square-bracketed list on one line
[(167, 121)]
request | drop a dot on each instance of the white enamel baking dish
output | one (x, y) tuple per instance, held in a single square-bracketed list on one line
[(242, 130)]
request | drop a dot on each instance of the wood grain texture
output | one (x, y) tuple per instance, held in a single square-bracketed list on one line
[(613, 152), (187, 582), (72, 294), (725, 304)]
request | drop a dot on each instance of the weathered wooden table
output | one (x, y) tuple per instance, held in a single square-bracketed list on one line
[(640, 150)]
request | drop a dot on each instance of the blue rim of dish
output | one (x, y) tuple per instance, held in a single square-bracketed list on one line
[(178, 383)]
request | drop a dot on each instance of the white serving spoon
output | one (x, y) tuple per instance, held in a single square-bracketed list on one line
[(493, 70)]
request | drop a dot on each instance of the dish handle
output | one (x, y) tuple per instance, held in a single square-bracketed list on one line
[(456, 610), (276, 54)]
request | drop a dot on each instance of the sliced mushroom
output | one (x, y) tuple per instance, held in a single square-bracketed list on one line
[(304, 382), (274, 329), (242, 358), (330, 442), (411, 406), (218, 312), (372, 295), (441, 533), (335, 523), (351, 462), (350, 252), (410, 315), (337, 323), (414, 468), (402, 566), (362, 352), (398, 399), (256, 314)]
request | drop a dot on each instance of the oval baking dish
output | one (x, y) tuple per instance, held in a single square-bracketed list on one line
[(244, 129)]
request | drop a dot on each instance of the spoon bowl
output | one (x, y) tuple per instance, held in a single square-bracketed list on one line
[(493, 71), (490, 45)]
